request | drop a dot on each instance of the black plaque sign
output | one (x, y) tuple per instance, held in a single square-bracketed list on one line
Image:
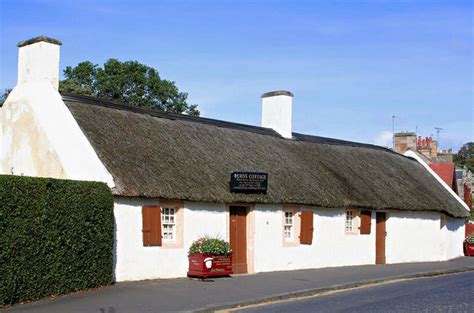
[(248, 182)]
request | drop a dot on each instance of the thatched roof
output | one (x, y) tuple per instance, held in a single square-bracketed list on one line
[(154, 154)]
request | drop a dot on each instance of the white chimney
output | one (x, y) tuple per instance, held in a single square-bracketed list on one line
[(38, 59), (276, 111)]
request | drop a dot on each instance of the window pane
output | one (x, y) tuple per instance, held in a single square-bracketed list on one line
[(349, 220), (168, 227), (288, 218), (287, 233)]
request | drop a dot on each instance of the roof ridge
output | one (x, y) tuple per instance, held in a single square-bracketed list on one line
[(219, 123), (167, 115), (334, 141)]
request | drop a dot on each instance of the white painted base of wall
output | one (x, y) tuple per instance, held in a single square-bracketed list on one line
[(411, 237), (331, 245), (136, 262), (422, 237)]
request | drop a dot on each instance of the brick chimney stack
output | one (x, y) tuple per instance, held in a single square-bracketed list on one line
[(405, 141)]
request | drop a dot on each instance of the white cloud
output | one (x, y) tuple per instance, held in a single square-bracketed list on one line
[(384, 139)]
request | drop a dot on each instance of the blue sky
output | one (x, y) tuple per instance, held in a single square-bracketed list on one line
[(350, 64)]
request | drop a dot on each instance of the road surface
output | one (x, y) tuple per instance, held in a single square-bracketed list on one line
[(449, 293)]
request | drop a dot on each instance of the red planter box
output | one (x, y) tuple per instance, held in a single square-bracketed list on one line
[(468, 249), (219, 265)]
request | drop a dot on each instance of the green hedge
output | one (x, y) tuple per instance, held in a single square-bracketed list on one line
[(56, 236)]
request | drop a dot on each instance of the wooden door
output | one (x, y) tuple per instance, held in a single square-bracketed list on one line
[(238, 238), (380, 233), (306, 230), (151, 218)]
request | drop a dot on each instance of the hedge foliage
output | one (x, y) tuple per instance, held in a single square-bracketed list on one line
[(56, 236)]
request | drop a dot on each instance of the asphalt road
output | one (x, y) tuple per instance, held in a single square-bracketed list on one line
[(186, 295), (449, 293)]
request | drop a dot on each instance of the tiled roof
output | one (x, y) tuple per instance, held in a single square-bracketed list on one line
[(445, 171)]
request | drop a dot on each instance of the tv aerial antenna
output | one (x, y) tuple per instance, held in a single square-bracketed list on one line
[(393, 130), (438, 130)]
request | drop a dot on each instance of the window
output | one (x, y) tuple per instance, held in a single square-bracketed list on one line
[(288, 229), (349, 220), (163, 225), (351, 225), (291, 221), (168, 224)]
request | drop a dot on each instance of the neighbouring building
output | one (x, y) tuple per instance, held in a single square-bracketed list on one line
[(327, 202), (426, 147), (465, 185), (441, 162), (447, 172)]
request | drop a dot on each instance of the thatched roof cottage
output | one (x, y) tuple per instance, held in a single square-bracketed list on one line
[(284, 200)]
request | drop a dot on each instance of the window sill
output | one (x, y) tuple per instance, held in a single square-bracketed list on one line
[(172, 245), (292, 243), (351, 233)]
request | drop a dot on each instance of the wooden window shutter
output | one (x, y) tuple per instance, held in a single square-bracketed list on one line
[(151, 216), (306, 232), (365, 222)]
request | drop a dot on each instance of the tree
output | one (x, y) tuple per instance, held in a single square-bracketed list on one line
[(465, 156), (129, 82), (6, 92)]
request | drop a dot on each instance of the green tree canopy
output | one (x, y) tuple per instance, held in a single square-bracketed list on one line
[(465, 156), (129, 82), (4, 96)]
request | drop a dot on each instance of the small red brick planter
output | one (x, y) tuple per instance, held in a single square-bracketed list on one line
[(206, 265), (469, 249)]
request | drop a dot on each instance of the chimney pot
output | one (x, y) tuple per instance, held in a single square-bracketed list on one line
[(277, 93), (277, 109), (39, 39), (38, 59)]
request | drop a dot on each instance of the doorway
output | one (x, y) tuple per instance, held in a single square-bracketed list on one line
[(380, 234), (238, 238)]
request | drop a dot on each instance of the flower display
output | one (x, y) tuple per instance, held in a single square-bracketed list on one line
[(212, 246), (470, 239)]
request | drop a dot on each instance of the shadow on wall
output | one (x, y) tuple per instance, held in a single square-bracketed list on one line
[(328, 212), (114, 251), (454, 224)]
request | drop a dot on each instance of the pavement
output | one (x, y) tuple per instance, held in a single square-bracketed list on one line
[(446, 293), (185, 295)]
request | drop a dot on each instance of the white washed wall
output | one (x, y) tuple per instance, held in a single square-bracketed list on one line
[(331, 245), (136, 262), (420, 237), (411, 237), (40, 137), (453, 237), (38, 134)]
